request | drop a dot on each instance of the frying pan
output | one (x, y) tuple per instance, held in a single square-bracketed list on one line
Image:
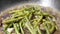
[(47, 4)]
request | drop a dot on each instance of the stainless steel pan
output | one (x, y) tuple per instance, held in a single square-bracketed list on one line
[(47, 4)]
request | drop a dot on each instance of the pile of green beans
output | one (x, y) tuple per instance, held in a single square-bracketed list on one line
[(30, 18)]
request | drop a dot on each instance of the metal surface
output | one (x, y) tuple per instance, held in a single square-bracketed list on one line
[(5, 4), (47, 3)]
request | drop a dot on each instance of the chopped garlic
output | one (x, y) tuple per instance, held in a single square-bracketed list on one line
[(10, 29), (54, 19)]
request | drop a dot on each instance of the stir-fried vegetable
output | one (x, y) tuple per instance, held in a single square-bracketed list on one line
[(30, 18)]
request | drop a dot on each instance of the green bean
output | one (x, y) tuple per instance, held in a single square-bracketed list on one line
[(16, 29), (12, 20), (17, 25), (52, 27), (38, 20), (21, 28), (30, 16), (47, 30), (39, 31), (30, 28)]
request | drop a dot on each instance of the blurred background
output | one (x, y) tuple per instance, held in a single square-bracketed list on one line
[(47, 3)]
